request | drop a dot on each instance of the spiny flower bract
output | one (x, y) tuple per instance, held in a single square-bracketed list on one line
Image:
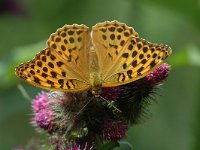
[(82, 118)]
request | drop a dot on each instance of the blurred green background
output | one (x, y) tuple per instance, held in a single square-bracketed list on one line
[(174, 122)]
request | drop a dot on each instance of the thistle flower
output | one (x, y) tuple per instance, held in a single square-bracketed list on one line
[(43, 116), (111, 93), (81, 117), (114, 130), (41, 102), (137, 95), (65, 106), (160, 74), (44, 119)]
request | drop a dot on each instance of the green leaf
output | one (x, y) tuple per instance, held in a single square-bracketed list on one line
[(108, 146), (124, 145)]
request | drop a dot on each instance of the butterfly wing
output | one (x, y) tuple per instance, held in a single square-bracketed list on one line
[(123, 56), (63, 65)]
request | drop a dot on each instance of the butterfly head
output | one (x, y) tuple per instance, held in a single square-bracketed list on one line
[(96, 93)]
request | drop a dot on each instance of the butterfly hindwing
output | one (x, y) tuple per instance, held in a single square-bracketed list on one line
[(138, 62)]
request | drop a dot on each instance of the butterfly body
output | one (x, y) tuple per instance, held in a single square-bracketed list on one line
[(76, 59), (95, 74)]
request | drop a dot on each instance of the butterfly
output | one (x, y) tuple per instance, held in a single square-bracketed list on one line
[(77, 59)]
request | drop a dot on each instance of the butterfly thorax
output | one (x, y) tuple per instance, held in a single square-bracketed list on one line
[(95, 75), (96, 83)]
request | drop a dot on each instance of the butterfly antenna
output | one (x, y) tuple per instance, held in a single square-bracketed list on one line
[(83, 107), (24, 92), (110, 104)]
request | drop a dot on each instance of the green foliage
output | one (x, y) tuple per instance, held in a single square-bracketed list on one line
[(19, 55), (121, 145), (108, 146)]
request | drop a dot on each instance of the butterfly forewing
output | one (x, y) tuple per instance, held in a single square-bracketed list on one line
[(72, 43), (63, 65), (129, 58), (108, 39)]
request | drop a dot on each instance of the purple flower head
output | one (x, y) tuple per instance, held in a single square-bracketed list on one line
[(114, 130), (111, 93), (41, 102), (160, 74), (44, 119), (43, 115)]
